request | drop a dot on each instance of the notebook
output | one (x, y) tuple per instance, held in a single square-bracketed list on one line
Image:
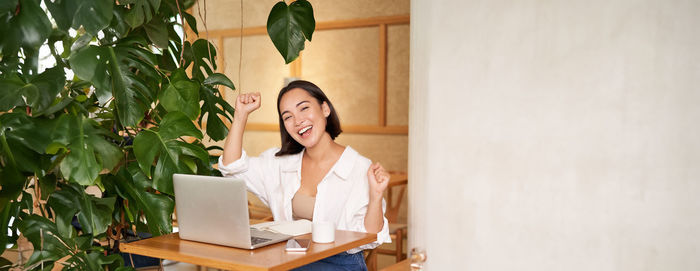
[(215, 210)]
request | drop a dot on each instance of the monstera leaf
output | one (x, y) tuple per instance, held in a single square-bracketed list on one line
[(140, 11), (173, 155), (289, 26), (94, 214), (216, 129), (89, 152), (182, 94), (134, 187), (200, 54), (123, 69), (92, 15)]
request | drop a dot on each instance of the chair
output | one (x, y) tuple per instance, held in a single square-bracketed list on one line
[(397, 231)]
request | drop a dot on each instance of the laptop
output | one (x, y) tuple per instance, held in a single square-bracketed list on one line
[(215, 210)]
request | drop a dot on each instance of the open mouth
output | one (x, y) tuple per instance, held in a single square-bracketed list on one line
[(305, 131)]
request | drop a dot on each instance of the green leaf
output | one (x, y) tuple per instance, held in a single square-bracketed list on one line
[(200, 54), (49, 84), (157, 31), (191, 21), (162, 144), (90, 64), (43, 234), (215, 108), (31, 22), (93, 15), (181, 95), (89, 152), (156, 207), (219, 79), (289, 26), (12, 180), (94, 214), (8, 6), (11, 94), (4, 263), (140, 11), (47, 183), (61, 12)]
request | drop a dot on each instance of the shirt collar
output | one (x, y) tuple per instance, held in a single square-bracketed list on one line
[(342, 168)]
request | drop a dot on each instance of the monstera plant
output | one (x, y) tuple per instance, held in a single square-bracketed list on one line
[(121, 107)]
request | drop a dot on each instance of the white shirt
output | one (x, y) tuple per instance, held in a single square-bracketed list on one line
[(342, 196)]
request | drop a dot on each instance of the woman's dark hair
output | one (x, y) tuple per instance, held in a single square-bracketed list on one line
[(291, 146)]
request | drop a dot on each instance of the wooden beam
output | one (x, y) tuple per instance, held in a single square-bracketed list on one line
[(381, 95)]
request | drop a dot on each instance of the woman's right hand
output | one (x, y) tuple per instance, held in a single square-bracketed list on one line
[(247, 103)]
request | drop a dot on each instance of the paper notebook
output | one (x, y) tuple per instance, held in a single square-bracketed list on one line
[(294, 228)]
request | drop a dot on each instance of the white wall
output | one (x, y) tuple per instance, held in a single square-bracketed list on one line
[(555, 135)]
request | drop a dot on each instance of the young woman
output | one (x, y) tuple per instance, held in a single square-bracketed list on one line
[(311, 176)]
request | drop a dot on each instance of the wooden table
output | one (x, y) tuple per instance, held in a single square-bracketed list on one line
[(272, 257)]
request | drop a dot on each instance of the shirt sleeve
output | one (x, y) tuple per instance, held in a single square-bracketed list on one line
[(255, 171)]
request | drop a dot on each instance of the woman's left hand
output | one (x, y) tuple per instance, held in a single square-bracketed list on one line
[(378, 181)]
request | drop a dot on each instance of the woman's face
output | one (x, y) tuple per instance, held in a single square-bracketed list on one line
[(303, 116)]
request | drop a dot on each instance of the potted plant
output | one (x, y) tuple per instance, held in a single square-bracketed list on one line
[(123, 108)]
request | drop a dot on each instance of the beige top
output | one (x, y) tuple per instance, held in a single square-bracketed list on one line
[(303, 206)]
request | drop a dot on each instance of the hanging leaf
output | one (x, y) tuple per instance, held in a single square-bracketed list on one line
[(42, 233), (165, 145), (182, 94), (11, 94), (289, 26)]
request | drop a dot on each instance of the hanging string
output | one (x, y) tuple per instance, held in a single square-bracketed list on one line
[(240, 52)]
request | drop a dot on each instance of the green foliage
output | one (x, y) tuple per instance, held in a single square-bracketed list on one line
[(289, 25), (117, 111)]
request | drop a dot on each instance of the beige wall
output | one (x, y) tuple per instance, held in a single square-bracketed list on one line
[(344, 63), (555, 135)]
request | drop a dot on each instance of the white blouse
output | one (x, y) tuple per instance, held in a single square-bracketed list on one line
[(342, 196)]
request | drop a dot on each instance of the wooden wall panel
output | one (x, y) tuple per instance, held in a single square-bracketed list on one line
[(263, 70), (344, 63), (397, 74)]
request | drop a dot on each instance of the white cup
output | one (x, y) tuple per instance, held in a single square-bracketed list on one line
[(323, 232)]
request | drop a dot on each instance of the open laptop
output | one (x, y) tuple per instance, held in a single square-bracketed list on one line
[(215, 210)]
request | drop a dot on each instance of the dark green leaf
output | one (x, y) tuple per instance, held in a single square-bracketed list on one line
[(219, 79), (8, 6), (5, 264), (157, 31), (90, 64), (181, 95), (11, 94), (141, 11), (47, 183), (150, 144), (33, 25), (61, 12), (289, 26), (94, 214), (156, 207), (12, 180), (49, 84), (201, 53), (215, 107), (85, 140), (93, 15), (42, 233), (191, 21)]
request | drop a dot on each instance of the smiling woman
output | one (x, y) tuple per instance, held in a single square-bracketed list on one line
[(311, 176)]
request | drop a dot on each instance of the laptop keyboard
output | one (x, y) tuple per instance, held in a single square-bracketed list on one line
[(257, 240)]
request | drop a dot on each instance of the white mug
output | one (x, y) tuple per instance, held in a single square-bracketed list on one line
[(323, 232)]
